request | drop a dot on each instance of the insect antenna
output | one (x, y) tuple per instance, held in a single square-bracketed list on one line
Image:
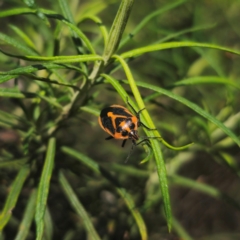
[(134, 144), (131, 150)]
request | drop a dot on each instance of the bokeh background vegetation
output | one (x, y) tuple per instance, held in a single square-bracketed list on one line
[(203, 179)]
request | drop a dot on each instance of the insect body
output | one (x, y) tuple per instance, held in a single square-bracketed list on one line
[(120, 123)]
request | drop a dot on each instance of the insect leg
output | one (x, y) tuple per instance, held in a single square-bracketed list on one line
[(132, 107), (140, 123), (123, 143), (146, 126), (146, 139), (138, 116), (108, 138)]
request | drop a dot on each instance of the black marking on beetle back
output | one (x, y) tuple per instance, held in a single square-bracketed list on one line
[(105, 111), (118, 120), (107, 123), (119, 111)]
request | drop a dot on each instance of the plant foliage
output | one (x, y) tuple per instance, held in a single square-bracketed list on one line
[(59, 68)]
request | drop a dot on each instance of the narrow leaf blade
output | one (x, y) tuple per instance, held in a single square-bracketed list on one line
[(44, 186), (78, 207), (117, 28), (122, 192), (194, 107), (26, 222), (169, 45), (13, 195)]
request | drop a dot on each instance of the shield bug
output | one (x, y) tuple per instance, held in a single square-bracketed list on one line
[(120, 123)]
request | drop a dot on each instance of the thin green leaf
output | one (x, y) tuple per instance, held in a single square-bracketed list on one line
[(184, 31), (206, 80), (178, 228), (92, 9), (121, 91), (64, 5), (16, 44), (169, 45), (204, 188), (58, 59), (13, 195), (122, 192), (48, 223), (30, 3), (127, 170), (90, 110), (48, 13), (13, 164), (69, 235), (81, 35), (208, 58), (149, 17), (133, 86), (162, 176), (48, 80), (101, 26), (16, 11), (5, 76), (43, 188), (79, 156), (117, 29), (10, 118), (25, 37), (65, 59), (32, 68), (24, 227), (6, 155), (15, 93), (194, 107), (51, 101), (78, 207)]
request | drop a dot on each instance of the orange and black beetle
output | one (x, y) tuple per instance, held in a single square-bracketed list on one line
[(120, 123)]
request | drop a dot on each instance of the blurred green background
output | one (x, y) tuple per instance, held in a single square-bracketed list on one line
[(204, 179)]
